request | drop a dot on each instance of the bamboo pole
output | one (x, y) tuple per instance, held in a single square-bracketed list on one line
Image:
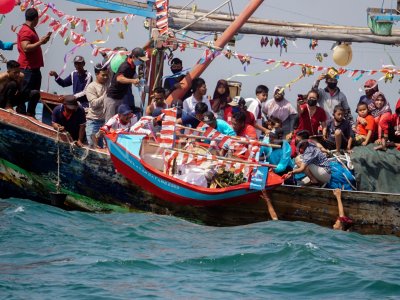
[(291, 32), (236, 138), (217, 157), (225, 37)]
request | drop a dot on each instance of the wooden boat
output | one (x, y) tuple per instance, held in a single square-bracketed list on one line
[(28, 169), (141, 162)]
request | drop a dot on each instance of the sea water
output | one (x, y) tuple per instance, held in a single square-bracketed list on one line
[(49, 253)]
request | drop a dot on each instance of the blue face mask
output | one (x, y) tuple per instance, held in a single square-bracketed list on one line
[(138, 62), (235, 109)]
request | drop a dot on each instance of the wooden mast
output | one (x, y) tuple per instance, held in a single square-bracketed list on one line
[(226, 36)]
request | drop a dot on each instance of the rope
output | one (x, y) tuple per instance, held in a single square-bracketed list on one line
[(58, 162), (203, 17)]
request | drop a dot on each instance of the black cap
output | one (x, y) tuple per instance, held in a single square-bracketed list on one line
[(79, 59), (139, 53), (70, 102), (209, 117)]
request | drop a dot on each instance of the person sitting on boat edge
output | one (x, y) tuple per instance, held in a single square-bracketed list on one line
[(218, 124), (10, 85), (79, 79), (95, 93), (158, 103), (193, 120), (199, 89), (277, 156), (338, 133), (380, 110), (313, 163), (70, 116), (342, 222), (242, 128), (122, 121), (173, 82)]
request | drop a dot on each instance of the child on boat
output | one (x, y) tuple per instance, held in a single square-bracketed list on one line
[(338, 133), (365, 125), (220, 99), (342, 222)]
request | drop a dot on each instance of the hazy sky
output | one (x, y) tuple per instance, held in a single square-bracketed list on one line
[(343, 12)]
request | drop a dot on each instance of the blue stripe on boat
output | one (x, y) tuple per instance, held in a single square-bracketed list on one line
[(135, 164)]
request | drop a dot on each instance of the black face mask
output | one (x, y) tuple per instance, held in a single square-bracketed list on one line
[(312, 102), (332, 85), (175, 71)]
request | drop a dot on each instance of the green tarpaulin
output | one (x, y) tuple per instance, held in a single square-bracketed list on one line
[(377, 171)]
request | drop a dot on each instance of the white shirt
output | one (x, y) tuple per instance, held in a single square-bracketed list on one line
[(115, 124), (254, 106), (190, 103)]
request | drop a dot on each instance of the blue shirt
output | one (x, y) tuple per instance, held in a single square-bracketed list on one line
[(72, 125), (6, 45), (278, 156), (79, 84), (224, 128)]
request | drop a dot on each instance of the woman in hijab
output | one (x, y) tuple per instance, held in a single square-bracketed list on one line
[(380, 110)]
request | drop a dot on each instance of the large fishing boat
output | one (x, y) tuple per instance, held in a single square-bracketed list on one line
[(29, 151)]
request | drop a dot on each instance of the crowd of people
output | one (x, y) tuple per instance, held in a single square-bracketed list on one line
[(320, 124)]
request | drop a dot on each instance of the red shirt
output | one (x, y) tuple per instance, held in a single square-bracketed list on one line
[(32, 59), (311, 123), (363, 129), (248, 131), (228, 116)]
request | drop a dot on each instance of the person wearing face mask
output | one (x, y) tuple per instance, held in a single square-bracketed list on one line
[(238, 104), (121, 82), (311, 116), (370, 87), (331, 96), (172, 83), (280, 108)]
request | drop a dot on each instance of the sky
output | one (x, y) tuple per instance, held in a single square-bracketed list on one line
[(340, 12)]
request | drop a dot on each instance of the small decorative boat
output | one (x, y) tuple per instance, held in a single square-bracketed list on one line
[(144, 164)]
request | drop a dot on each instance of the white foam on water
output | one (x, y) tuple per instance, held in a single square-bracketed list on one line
[(311, 246), (19, 209)]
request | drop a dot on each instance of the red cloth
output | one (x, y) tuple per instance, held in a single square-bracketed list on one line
[(32, 59), (382, 123), (228, 116), (311, 123), (363, 129), (249, 131)]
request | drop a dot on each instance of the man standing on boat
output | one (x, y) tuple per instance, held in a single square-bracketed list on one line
[(70, 116), (79, 79), (31, 60), (95, 93), (122, 80), (10, 85), (331, 96)]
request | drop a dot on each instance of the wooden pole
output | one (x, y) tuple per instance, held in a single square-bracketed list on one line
[(291, 32), (270, 207), (226, 36)]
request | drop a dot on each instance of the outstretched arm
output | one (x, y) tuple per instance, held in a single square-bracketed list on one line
[(338, 195)]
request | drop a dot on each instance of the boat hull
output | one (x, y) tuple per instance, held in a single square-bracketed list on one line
[(28, 169)]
